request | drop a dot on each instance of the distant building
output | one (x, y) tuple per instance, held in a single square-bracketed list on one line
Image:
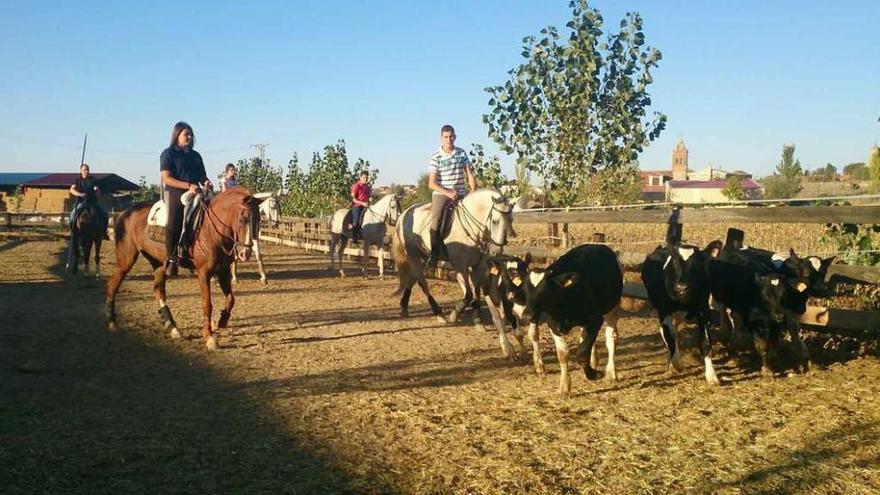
[(49, 193), (654, 184), (708, 191), (680, 161), (683, 185)]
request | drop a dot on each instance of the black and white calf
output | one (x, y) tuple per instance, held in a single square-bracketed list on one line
[(677, 280), (804, 277), (499, 278), (755, 294), (581, 288)]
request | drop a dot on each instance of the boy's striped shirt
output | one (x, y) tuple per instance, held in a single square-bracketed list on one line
[(450, 168)]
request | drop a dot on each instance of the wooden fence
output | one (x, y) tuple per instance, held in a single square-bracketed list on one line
[(312, 234)]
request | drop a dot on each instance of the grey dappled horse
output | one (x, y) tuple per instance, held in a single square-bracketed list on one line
[(376, 218), (270, 209), (481, 221)]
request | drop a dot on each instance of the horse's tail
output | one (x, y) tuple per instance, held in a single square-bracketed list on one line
[(401, 260)]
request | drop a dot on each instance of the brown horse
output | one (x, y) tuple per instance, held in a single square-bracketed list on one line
[(227, 233), (86, 232)]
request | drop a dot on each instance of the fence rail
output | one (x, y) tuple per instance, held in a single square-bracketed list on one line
[(311, 234)]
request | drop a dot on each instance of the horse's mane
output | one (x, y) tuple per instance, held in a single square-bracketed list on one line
[(231, 195)]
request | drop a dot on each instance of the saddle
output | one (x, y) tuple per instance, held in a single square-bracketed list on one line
[(193, 215)]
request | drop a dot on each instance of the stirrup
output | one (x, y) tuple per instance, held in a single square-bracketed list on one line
[(171, 265)]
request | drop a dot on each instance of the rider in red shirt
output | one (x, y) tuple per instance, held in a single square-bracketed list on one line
[(360, 199)]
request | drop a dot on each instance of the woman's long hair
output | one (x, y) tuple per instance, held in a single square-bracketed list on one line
[(180, 127)]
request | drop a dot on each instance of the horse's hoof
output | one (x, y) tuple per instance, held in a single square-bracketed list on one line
[(442, 319), (611, 376), (264, 281), (453, 317), (767, 373), (211, 343), (590, 373), (175, 334), (540, 369), (381, 277), (341, 274)]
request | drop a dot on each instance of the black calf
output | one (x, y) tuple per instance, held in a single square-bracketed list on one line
[(581, 288)]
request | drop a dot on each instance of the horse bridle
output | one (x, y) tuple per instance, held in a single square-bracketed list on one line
[(213, 219), (479, 238), (387, 217)]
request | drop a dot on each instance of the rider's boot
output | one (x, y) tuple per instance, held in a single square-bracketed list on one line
[(436, 249), (171, 265)]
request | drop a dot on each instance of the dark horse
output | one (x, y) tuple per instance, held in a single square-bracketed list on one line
[(226, 234), (85, 233)]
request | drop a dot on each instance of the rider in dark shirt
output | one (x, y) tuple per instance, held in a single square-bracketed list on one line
[(86, 191), (182, 170)]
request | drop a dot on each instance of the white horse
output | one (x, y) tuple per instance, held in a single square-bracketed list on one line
[(377, 217), (480, 222), (270, 209)]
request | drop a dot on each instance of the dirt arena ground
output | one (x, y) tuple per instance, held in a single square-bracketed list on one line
[(319, 387)]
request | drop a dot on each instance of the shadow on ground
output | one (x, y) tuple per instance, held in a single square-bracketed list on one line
[(87, 411)]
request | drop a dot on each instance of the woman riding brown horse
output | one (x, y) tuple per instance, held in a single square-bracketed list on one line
[(227, 233)]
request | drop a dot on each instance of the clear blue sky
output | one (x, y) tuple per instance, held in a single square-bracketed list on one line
[(737, 79)]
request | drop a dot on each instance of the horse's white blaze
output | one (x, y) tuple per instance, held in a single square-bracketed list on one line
[(536, 277), (816, 262), (686, 252)]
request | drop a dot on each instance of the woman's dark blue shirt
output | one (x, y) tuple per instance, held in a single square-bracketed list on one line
[(187, 167)]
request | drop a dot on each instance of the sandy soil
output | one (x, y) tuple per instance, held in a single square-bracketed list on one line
[(319, 387)]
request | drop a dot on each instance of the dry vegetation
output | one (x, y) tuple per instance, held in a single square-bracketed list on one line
[(320, 388), (805, 238)]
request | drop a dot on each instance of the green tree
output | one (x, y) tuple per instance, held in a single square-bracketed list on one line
[(613, 186), (258, 175), (423, 192), (326, 185), (874, 167), (17, 198), (733, 188), (145, 192), (577, 106), (487, 170), (786, 182), (857, 171), (523, 178)]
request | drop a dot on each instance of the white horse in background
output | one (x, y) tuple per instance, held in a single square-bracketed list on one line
[(270, 209), (376, 218)]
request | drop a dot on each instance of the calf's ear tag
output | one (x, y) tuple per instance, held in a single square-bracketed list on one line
[(517, 281), (493, 270), (801, 286)]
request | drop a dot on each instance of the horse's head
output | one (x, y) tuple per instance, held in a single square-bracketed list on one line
[(500, 220), (393, 210), (85, 218), (239, 212), (270, 207)]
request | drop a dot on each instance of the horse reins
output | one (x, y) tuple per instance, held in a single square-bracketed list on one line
[(212, 217)]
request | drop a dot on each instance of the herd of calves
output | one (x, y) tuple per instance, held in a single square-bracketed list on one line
[(755, 291)]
